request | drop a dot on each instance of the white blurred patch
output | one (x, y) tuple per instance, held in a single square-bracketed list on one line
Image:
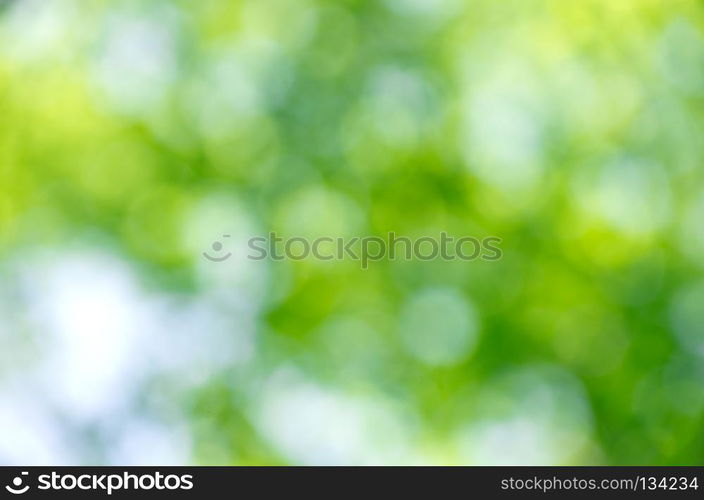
[(517, 440), (30, 435), (146, 443), (137, 62), (226, 94), (35, 29), (315, 425), (631, 195), (594, 104), (538, 417), (439, 326), (92, 317), (503, 128), (196, 338), (95, 342)]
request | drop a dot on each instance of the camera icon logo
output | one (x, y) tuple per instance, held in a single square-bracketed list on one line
[(16, 488)]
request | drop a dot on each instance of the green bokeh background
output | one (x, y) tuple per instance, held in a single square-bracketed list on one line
[(134, 134)]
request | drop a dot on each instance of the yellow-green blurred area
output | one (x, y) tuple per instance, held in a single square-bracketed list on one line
[(133, 135)]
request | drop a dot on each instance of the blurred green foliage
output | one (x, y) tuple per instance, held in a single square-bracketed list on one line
[(571, 130)]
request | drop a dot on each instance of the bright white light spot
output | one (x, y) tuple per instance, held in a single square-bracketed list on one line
[(313, 425), (93, 316)]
